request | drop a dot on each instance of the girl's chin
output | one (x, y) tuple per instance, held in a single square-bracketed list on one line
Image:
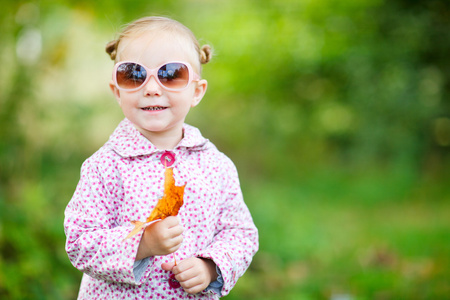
[(160, 130)]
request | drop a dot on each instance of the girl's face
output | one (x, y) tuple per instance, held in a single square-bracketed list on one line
[(157, 113)]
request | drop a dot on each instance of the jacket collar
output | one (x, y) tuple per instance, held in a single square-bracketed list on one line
[(127, 141)]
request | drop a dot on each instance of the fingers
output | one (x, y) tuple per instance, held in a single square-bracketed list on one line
[(190, 281), (167, 228), (171, 235), (170, 245), (192, 275), (167, 266), (193, 288), (163, 237), (170, 227), (171, 221)]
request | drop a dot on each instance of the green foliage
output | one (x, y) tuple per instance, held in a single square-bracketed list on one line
[(324, 243), (335, 112)]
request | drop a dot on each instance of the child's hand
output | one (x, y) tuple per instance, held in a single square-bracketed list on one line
[(161, 238), (194, 274)]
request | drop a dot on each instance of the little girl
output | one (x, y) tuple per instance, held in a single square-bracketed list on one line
[(201, 252)]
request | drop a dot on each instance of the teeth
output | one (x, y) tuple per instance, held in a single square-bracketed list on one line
[(154, 108)]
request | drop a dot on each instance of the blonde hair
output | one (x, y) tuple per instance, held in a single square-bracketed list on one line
[(159, 24)]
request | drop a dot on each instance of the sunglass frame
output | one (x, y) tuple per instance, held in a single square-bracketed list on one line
[(193, 76)]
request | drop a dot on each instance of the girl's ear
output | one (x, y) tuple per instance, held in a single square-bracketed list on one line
[(115, 91), (199, 92)]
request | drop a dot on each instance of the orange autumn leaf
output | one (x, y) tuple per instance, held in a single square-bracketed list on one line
[(137, 227), (168, 205)]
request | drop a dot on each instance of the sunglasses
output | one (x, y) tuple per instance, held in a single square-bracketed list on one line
[(172, 76)]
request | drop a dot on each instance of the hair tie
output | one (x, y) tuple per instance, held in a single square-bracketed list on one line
[(111, 49), (205, 54)]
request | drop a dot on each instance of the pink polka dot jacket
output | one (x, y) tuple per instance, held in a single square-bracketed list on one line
[(123, 181)]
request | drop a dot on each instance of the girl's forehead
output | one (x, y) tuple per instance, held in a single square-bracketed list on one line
[(153, 50)]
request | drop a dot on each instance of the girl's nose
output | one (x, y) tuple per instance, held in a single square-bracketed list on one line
[(152, 87)]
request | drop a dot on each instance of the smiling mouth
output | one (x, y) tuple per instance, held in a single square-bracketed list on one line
[(154, 108)]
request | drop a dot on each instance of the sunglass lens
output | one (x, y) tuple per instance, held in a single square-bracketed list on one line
[(174, 75), (130, 75)]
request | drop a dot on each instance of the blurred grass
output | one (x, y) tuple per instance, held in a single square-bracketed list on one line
[(321, 242)]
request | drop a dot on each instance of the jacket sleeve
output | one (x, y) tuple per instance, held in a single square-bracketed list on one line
[(94, 241), (236, 238)]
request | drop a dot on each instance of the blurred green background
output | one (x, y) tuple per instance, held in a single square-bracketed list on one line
[(336, 113)]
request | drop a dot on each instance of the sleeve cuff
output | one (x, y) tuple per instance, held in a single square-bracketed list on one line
[(139, 268), (217, 285)]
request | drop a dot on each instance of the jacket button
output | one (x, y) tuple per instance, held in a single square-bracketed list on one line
[(168, 159), (173, 283)]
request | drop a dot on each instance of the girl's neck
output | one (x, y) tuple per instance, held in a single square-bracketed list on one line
[(163, 141)]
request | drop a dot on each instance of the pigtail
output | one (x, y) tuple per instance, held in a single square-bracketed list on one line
[(111, 49), (205, 54)]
